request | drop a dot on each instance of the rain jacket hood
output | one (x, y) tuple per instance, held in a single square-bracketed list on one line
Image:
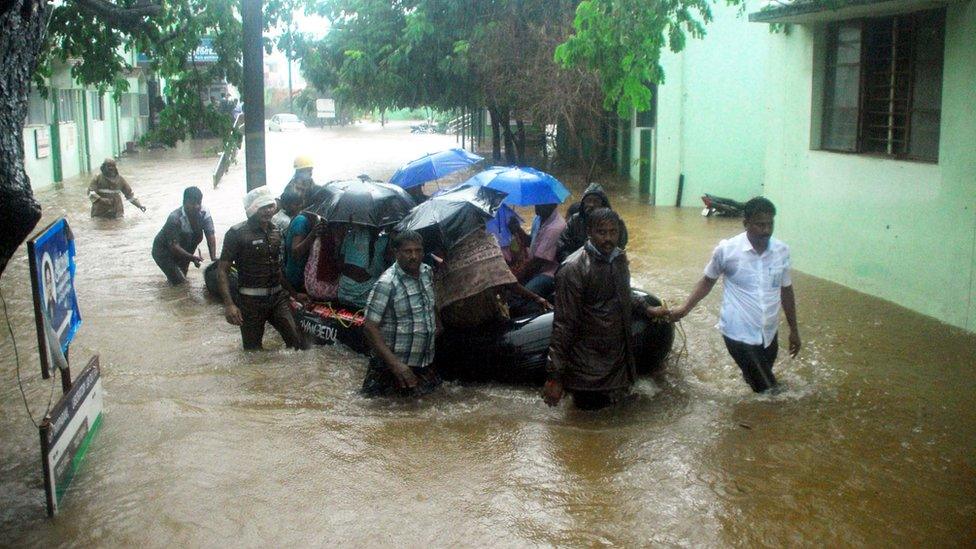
[(574, 236), (595, 189)]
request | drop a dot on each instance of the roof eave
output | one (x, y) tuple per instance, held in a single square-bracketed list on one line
[(814, 12)]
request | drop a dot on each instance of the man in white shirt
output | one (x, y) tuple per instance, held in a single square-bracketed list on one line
[(757, 282)]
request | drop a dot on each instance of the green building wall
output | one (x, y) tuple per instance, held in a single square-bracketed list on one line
[(901, 230), (738, 116), (82, 144), (710, 113)]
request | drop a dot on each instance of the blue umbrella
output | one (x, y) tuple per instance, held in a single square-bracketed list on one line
[(525, 186), (498, 225), (433, 166)]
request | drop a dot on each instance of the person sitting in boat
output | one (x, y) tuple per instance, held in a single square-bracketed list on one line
[(106, 191), (174, 246), (575, 234), (539, 271), (401, 323), (300, 183), (363, 251), (324, 263), (590, 352), (298, 240), (473, 281)]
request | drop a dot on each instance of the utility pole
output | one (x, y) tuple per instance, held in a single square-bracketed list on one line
[(253, 26), (291, 94)]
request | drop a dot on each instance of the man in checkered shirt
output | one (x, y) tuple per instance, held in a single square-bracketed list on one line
[(400, 324)]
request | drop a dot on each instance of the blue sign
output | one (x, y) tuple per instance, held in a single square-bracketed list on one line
[(52, 263), (204, 53)]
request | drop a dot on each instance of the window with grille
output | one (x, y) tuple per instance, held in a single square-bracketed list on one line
[(143, 104), (96, 105), (125, 105), (66, 105), (883, 86), (36, 109)]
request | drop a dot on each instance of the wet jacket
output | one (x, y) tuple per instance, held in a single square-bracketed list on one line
[(590, 349), (255, 252), (574, 236)]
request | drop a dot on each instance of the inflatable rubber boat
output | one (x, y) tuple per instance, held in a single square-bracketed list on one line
[(515, 352)]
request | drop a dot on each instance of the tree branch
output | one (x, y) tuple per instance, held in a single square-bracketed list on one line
[(120, 18)]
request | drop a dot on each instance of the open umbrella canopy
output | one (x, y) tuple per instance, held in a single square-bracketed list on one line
[(433, 166), (369, 203), (524, 186), (498, 225), (453, 214)]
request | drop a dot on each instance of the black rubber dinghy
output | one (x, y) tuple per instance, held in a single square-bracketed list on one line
[(513, 353)]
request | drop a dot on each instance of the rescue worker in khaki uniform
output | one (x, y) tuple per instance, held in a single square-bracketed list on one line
[(106, 191), (254, 247)]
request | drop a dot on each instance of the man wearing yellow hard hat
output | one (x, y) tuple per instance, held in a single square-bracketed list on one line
[(301, 184)]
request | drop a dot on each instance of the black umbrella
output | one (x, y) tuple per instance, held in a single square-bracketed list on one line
[(369, 203), (453, 214)]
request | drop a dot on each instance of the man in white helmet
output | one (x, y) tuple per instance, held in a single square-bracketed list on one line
[(254, 248)]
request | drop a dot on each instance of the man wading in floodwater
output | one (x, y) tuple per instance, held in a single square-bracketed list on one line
[(400, 324), (590, 354), (757, 280), (174, 245), (254, 247)]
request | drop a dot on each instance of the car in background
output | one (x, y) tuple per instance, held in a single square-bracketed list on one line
[(285, 122)]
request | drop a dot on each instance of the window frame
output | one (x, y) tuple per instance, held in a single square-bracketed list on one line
[(34, 99), (829, 52), (96, 101)]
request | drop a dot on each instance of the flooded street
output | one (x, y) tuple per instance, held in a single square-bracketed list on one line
[(872, 442)]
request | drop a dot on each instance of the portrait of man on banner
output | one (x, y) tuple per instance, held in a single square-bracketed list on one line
[(52, 262)]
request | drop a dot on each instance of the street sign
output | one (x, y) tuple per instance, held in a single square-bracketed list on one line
[(67, 432), (325, 108), (51, 255)]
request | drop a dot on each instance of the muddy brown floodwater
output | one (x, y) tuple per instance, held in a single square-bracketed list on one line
[(873, 441)]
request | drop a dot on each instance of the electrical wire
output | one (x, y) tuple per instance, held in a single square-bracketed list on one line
[(20, 382)]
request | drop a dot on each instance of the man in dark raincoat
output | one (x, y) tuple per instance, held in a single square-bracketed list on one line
[(590, 352), (574, 236), (106, 191)]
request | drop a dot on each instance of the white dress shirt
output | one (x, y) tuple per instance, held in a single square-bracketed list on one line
[(751, 301)]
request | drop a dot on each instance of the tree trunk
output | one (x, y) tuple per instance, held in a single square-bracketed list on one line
[(520, 141), (496, 134), (510, 155), (22, 35)]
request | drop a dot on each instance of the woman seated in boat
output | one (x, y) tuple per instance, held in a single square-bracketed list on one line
[(473, 283), (363, 261), (324, 262)]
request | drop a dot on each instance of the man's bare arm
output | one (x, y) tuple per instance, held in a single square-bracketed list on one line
[(789, 309), (399, 369), (231, 312), (701, 290)]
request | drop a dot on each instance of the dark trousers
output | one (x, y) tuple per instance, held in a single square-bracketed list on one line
[(274, 309), (380, 381), (542, 285), (755, 361), (596, 400), (174, 270)]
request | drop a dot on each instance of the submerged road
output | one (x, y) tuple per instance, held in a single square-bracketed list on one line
[(873, 441)]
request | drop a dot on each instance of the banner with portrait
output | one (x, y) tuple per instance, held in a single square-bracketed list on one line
[(52, 263)]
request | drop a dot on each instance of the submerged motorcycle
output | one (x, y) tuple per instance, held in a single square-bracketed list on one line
[(723, 207)]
